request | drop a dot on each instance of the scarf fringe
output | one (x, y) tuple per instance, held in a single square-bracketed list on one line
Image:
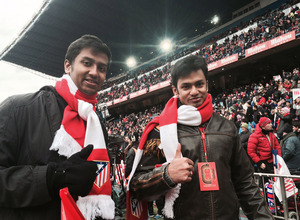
[(64, 143), (170, 198), (93, 206)]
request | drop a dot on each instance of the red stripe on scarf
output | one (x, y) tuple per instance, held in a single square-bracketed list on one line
[(149, 127), (169, 114), (206, 109)]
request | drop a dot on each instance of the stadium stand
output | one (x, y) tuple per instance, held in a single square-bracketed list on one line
[(281, 24), (231, 103)]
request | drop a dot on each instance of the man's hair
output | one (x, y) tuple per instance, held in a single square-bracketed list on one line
[(186, 66), (296, 123), (87, 41)]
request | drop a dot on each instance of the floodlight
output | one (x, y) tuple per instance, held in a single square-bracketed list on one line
[(215, 19), (166, 45), (131, 62)]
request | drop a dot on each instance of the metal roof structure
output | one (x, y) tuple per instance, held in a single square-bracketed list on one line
[(131, 27)]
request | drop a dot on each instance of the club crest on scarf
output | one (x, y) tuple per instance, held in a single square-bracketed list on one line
[(136, 207), (102, 173)]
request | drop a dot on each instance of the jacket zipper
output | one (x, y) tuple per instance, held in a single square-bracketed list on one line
[(205, 157)]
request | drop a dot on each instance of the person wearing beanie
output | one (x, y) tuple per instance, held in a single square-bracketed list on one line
[(290, 146), (284, 120), (260, 145), (244, 136)]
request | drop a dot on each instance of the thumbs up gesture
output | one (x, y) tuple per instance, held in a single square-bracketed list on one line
[(181, 168)]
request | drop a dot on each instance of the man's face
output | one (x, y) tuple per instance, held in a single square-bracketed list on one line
[(126, 139), (88, 71), (244, 129), (192, 89), (295, 129), (268, 127)]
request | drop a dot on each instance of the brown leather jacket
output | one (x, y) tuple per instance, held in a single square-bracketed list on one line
[(234, 171)]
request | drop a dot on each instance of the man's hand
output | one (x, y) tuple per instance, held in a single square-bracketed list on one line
[(263, 166), (76, 173), (181, 168)]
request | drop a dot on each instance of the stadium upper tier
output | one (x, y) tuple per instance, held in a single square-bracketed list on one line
[(271, 29)]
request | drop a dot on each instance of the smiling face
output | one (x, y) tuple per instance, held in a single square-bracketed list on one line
[(88, 71), (192, 89)]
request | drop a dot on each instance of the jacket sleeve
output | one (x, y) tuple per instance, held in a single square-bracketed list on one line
[(288, 117), (151, 180), (289, 149), (20, 185), (129, 161), (251, 200), (277, 145), (252, 148)]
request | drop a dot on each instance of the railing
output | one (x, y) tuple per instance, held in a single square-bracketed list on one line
[(288, 212)]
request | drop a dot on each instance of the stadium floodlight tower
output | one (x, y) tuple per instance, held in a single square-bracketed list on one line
[(166, 45), (131, 62)]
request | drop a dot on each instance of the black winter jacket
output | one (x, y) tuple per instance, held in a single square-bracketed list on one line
[(285, 121), (27, 127), (234, 171)]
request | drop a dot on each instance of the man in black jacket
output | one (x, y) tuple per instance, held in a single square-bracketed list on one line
[(244, 135), (193, 158), (284, 121), (47, 137)]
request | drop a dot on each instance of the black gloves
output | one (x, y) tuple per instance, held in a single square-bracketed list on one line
[(76, 173)]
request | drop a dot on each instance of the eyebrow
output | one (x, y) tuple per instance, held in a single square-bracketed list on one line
[(187, 83), (92, 60)]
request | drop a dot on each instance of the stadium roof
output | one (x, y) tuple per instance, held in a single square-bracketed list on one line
[(129, 27)]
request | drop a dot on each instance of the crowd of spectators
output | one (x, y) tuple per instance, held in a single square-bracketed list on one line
[(269, 25), (250, 102), (132, 124), (247, 103), (136, 84)]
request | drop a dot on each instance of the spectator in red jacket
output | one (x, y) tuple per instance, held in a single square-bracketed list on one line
[(262, 100), (287, 85), (260, 145)]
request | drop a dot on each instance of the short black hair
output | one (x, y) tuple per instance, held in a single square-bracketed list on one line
[(187, 65), (87, 41), (296, 123)]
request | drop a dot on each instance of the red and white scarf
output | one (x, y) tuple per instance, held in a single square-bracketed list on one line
[(80, 127), (167, 121)]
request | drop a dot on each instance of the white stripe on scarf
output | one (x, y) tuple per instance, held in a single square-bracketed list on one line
[(187, 115)]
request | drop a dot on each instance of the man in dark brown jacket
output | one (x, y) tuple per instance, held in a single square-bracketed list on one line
[(206, 174)]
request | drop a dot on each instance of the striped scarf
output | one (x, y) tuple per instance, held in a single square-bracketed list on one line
[(167, 121), (80, 127)]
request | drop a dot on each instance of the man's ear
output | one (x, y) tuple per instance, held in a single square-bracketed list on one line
[(175, 91), (67, 66)]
